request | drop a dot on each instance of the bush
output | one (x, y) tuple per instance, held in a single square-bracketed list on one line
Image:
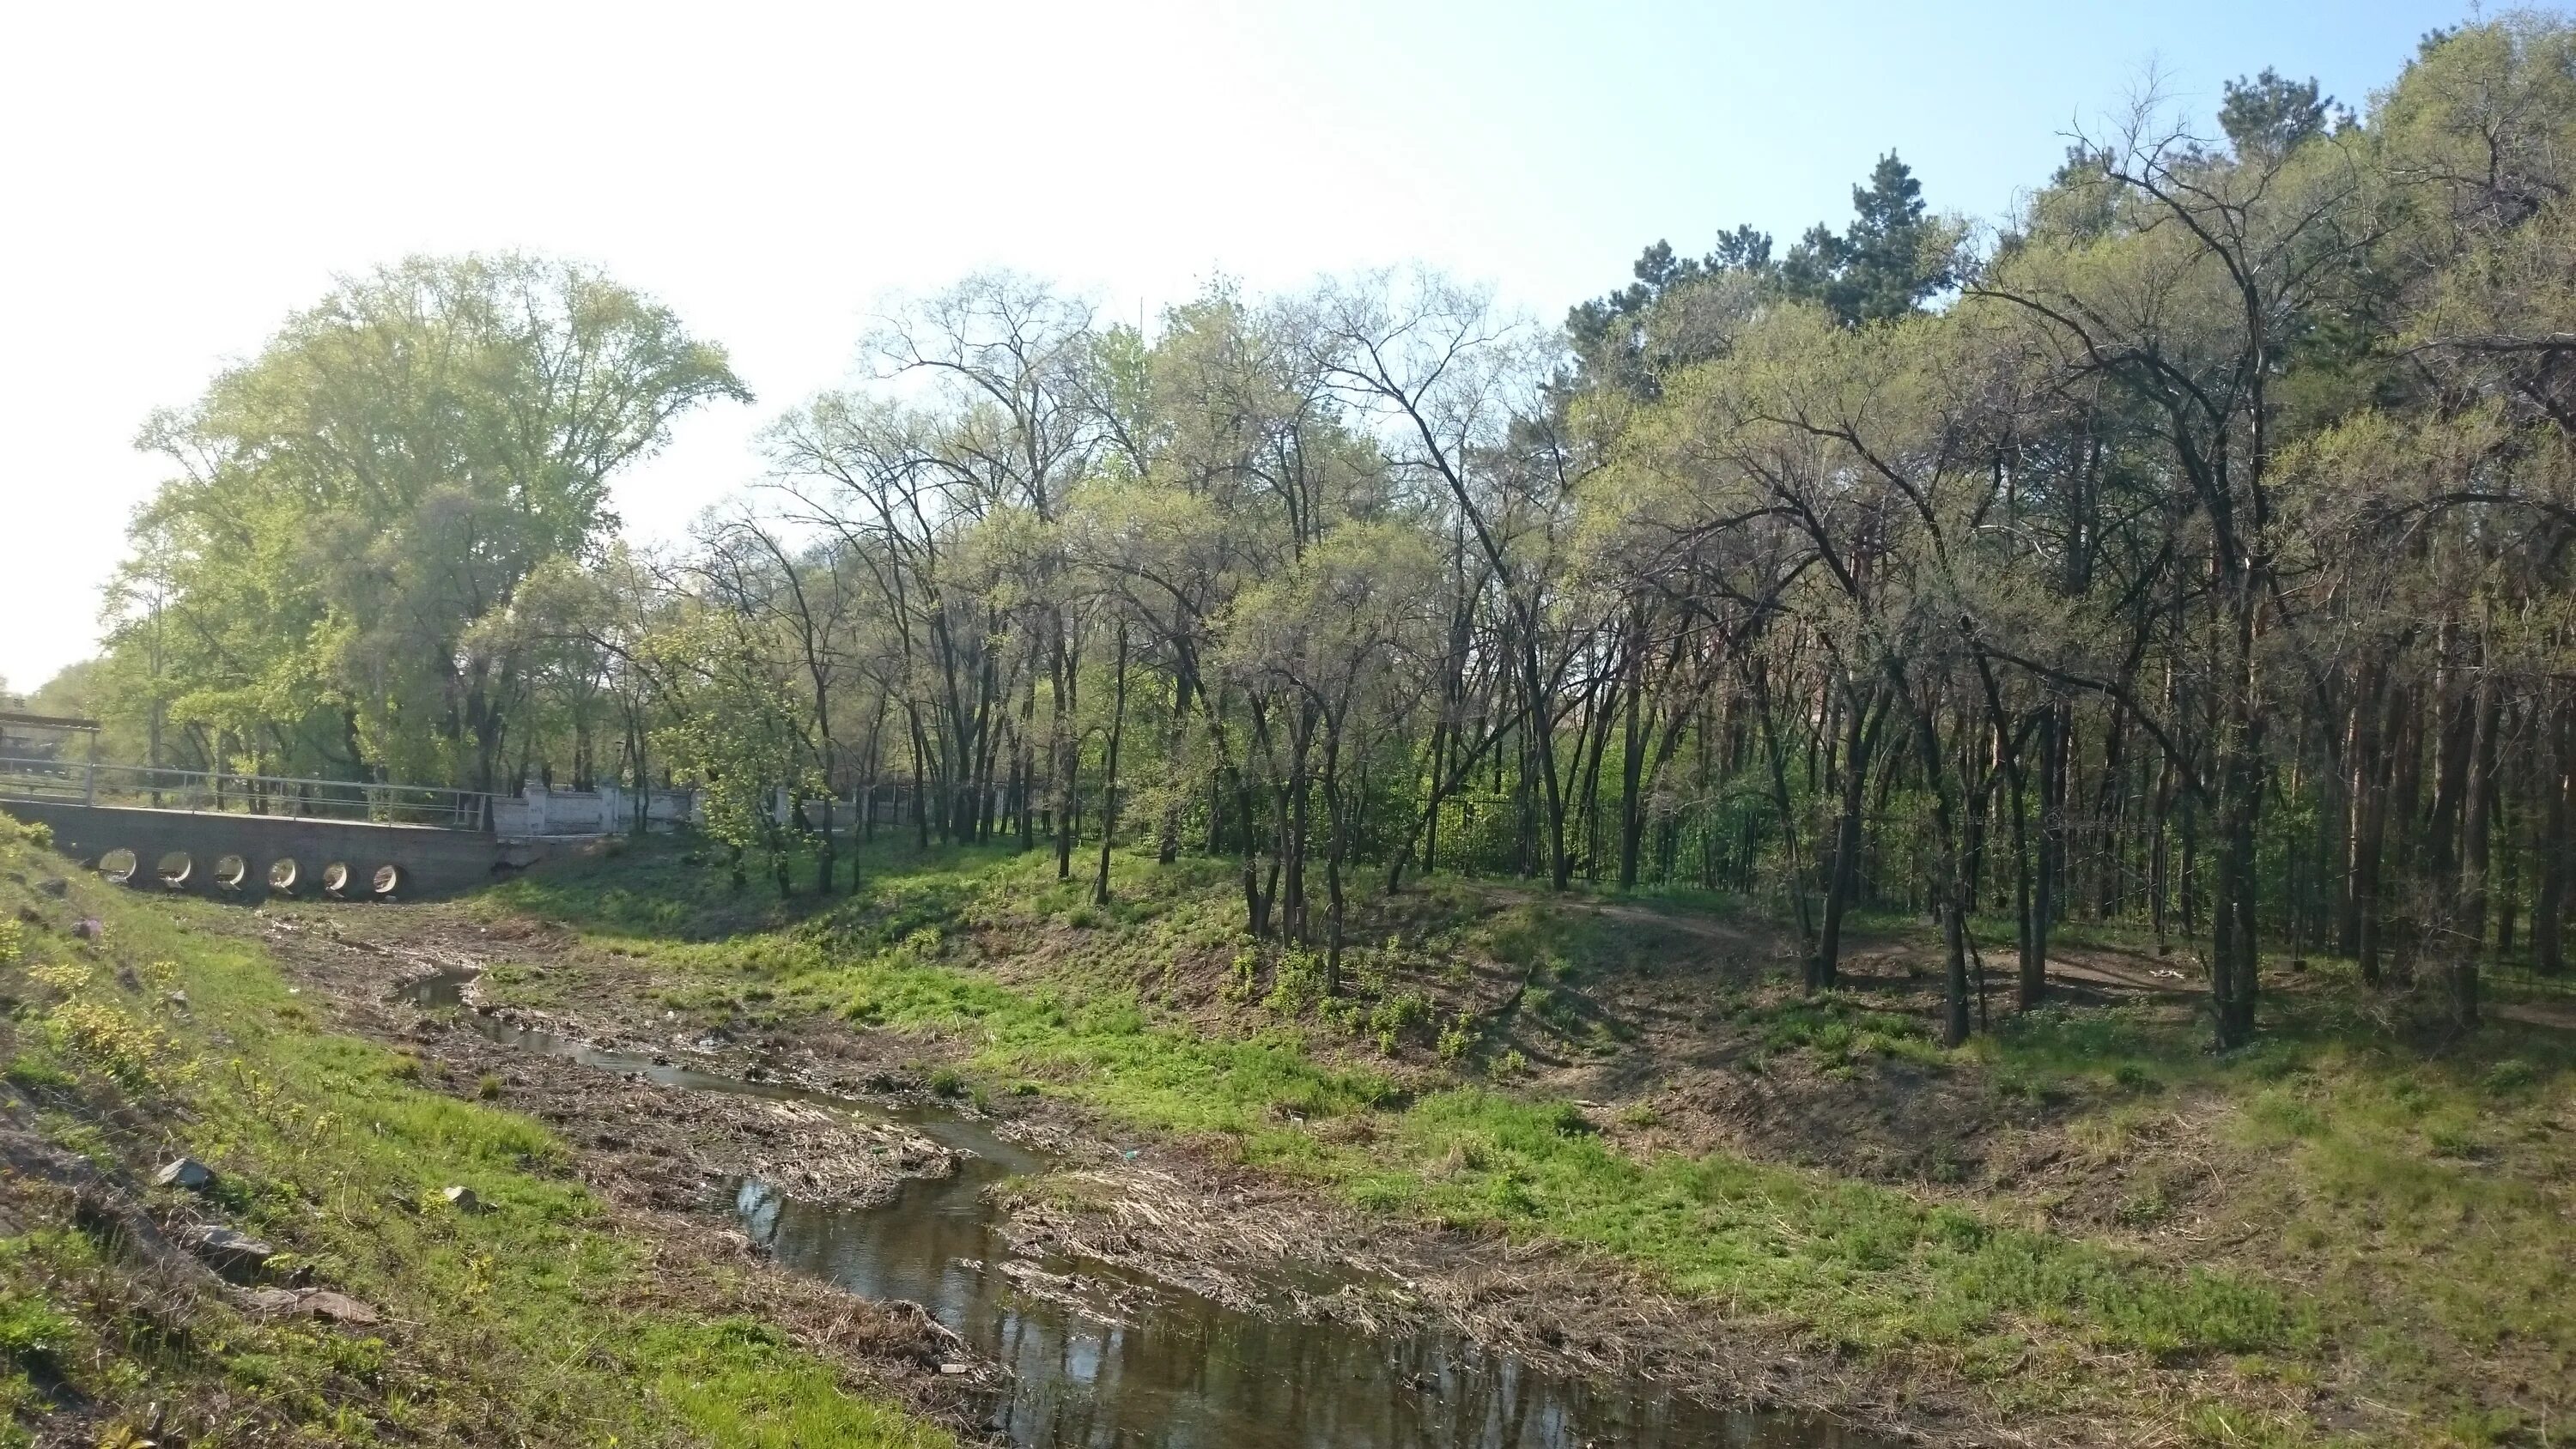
[(1459, 1037), (2130, 1077), (2510, 1075), (1407, 1011), (1298, 983)]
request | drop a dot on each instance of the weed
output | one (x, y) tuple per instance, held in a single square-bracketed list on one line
[(1297, 984), (2509, 1076), (34, 1071), (1459, 1036), (32, 1329), (1395, 1017)]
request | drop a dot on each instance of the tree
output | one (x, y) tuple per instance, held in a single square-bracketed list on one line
[(2269, 116), (355, 501), (1892, 259)]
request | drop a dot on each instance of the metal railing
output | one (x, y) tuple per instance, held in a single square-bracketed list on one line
[(221, 792)]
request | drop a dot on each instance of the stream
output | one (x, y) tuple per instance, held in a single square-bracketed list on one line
[(1107, 1358)]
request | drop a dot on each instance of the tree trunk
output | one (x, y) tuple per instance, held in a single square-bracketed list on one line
[(2477, 815), (2549, 846), (2236, 951), (1843, 877), (1109, 788), (2045, 893)]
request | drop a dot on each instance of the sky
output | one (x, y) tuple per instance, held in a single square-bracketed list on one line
[(175, 179)]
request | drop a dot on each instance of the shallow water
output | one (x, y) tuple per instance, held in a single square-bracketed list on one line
[(1105, 1358)]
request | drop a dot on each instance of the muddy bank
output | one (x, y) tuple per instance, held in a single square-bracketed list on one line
[(660, 1156), (1171, 1217)]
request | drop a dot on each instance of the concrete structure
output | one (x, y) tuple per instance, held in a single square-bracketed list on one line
[(537, 812), (226, 853)]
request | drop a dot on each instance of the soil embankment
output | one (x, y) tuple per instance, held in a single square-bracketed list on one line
[(1166, 1212)]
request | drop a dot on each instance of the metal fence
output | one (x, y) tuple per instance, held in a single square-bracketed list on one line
[(219, 792)]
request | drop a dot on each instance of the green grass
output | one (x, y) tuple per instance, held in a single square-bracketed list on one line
[(531, 1321), (1849, 1266), (2352, 1201)]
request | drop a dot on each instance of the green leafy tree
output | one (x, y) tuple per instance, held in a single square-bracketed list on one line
[(355, 502)]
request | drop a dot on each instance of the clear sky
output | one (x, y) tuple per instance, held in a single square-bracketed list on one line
[(175, 178)]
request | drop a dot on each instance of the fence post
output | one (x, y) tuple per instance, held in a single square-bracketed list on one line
[(89, 783)]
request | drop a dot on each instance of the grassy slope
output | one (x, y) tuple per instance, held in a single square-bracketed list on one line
[(2376, 1217), (533, 1321)]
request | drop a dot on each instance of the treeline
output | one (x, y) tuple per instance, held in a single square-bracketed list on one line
[(2191, 552)]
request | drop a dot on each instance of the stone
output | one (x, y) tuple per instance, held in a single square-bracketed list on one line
[(187, 1172), (338, 1307), (463, 1199), (178, 999), (225, 1248), (89, 928), (57, 887), (314, 1303)]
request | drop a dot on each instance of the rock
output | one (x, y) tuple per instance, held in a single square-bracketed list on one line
[(338, 1307), (225, 1249), (463, 1199), (187, 1172), (314, 1303), (178, 999), (57, 887), (89, 928)]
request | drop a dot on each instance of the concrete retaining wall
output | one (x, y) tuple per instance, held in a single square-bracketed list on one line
[(427, 861)]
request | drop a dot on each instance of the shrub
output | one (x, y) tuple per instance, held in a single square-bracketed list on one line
[(1459, 1036), (131, 1051), (1297, 984), (1407, 1011), (30, 1328), (2131, 1077), (1242, 979), (2510, 1075)]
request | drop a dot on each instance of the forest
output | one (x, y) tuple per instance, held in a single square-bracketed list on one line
[(2187, 552)]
